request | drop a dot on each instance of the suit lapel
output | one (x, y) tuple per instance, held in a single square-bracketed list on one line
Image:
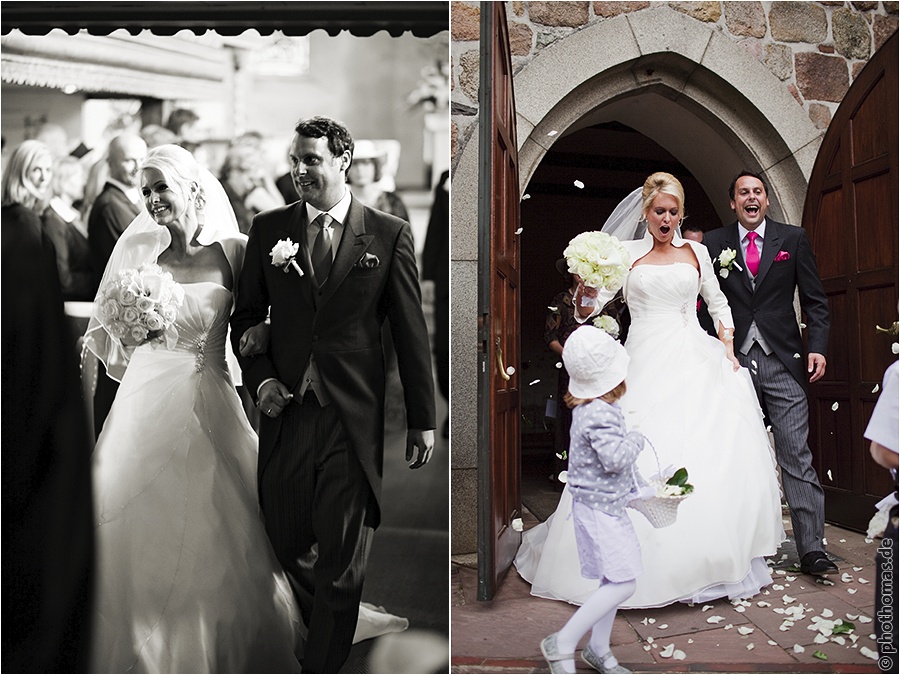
[(354, 243), (733, 241), (771, 245), (296, 232)]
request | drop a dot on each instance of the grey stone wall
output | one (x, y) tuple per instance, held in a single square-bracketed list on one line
[(814, 48)]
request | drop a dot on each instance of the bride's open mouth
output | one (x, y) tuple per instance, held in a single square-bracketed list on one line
[(664, 229)]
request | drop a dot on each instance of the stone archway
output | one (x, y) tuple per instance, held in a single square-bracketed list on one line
[(705, 85)]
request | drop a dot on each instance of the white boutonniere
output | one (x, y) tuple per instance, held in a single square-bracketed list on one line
[(284, 254), (726, 262)]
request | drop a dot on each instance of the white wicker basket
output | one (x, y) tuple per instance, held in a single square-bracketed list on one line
[(660, 511)]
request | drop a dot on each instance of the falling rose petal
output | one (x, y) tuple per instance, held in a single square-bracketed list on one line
[(769, 428), (563, 477), (678, 655), (830, 477), (895, 347), (559, 455), (519, 231), (526, 196), (796, 356), (827, 613), (533, 382), (667, 651), (706, 607), (553, 133), (799, 649), (745, 630), (559, 364), (754, 363), (552, 308), (835, 405), (802, 326), (715, 619), (579, 184), (877, 387), (865, 651), (517, 524), (846, 577)]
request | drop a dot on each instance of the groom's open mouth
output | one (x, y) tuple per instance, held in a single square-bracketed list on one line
[(751, 209)]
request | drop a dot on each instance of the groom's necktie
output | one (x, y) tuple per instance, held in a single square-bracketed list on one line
[(752, 253), (321, 252)]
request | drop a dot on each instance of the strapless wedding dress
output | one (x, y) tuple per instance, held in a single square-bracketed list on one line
[(684, 396), (186, 578)]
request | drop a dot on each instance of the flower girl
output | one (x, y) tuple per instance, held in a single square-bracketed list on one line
[(602, 479)]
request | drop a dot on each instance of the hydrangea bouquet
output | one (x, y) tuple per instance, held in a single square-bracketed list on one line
[(140, 305), (599, 259)]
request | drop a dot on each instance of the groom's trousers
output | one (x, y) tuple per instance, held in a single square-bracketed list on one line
[(785, 403), (318, 508)]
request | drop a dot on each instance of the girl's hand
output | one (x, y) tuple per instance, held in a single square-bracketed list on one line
[(255, 340)]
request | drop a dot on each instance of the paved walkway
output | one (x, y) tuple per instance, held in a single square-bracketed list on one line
[(773, 632)]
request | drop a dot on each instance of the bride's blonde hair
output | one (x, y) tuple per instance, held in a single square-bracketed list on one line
[(665, 183)]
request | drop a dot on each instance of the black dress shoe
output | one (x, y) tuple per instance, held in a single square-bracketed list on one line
[(816, 562)]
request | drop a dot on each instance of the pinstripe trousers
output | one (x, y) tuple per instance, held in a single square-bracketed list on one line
[(318, 507), (784, 401)]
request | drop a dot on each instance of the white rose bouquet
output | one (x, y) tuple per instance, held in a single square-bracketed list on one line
[(599, 259), (607, 323), (140, 305)]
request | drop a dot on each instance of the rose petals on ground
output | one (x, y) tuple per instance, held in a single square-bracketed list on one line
[(856, 569), (772, 642), (787, 599), (862, 581), (827, 613), (663, 626), (749, 646), (863, 618), (820, 639), (763, 603), (865, 651), (678, 655), (799, 649), (667, 651), (846, 577), (552, 133), (851, 591), (745, 630), (777, 587), (706, 607), (715, 619)]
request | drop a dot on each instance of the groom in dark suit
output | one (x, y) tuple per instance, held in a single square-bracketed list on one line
[(770, 261), (328, 271)]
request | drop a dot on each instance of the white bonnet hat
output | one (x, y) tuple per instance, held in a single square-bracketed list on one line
[(595, 361)]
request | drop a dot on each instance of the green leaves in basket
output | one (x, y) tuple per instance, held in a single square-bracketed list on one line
[(679, 478)]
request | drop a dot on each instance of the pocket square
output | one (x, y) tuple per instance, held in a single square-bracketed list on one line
[(782, 255), (368, 261)]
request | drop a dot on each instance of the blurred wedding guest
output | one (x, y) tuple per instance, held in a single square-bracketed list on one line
[(64, 226), (436, 268), (364, 176), (882, 432), (249, 188), (115, 207), (185, 124), (692, 231), (155, 135), (48, 529)]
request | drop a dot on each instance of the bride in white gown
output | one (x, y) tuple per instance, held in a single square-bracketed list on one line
[(698, 412), (186, 578)]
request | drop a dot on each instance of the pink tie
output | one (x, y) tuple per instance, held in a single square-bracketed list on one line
[(752, 253)]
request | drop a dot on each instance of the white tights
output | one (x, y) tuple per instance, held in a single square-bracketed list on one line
[(595, 615)]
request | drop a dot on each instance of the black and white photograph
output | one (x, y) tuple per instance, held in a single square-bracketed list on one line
[(225, 314)]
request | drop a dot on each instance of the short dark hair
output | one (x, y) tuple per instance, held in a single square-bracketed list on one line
[(179, 117), (339, 138), (692, 227), (752, 174)]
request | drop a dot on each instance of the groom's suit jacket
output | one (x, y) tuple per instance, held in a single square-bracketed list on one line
[(373, 278), (786, 262)]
